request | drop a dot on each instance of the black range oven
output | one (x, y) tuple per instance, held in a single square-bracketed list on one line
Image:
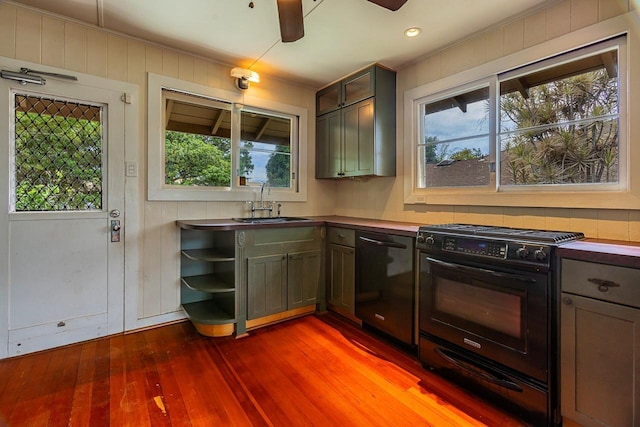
[(487, 314)]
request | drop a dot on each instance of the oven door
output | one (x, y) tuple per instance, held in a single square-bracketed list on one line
[(498, 313)]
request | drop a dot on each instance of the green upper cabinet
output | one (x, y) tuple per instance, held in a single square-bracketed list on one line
[(356, 125), (350, 90)]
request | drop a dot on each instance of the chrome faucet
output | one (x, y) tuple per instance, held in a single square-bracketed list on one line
[(262, 207), (264, 184)]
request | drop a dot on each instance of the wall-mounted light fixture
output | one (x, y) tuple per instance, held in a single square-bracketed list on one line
[(243, 77)]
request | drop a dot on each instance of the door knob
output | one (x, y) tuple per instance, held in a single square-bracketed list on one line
[(115, 213)]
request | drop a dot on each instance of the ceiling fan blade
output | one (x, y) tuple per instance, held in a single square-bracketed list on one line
[(291, 24), (389, 4)]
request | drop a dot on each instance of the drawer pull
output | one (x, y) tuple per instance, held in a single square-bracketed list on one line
[(603, 285)]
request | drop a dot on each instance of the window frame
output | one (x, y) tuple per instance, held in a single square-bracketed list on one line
[(612, 196), (156, 187), (617, 43), (489, 83)]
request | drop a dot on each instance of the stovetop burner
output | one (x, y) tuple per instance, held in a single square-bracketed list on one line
[(531, 235)]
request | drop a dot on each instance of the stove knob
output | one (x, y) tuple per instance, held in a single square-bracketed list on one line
[(429, 240), (540, 255), (522, 252), (420, 238)]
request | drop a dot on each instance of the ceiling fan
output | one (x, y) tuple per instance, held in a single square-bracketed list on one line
[(290, 14)]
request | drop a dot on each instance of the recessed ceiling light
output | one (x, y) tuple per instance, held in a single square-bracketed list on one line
[(412, 32)]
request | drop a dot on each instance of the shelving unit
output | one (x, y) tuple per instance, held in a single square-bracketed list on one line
[(208, 280)]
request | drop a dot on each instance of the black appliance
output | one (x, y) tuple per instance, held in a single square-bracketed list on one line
[(488, 312), (385, 285)]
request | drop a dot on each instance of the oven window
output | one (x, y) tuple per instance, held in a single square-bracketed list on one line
[(498, 311)]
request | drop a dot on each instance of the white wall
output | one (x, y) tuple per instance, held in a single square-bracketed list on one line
[(382, 198), (42, 39)]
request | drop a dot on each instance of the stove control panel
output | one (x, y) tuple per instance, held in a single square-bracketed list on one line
[(475, 247), (508, 250)]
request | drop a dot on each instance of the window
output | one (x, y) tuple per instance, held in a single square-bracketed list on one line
[(210, 146), (559, 124), (197, 144), (265, 149), (554, 125), (454, 141), (58, 155)]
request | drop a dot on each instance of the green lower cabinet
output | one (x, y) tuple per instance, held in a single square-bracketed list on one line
[(267, 293), (282, 282), (303, 276)]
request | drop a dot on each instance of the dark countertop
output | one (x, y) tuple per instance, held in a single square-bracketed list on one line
[(409, 229), (625, 254), (401, 228)]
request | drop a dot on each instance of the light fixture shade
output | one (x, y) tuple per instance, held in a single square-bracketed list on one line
[(243, 73)]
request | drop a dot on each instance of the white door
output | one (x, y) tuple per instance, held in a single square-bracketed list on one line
[(62, 211)]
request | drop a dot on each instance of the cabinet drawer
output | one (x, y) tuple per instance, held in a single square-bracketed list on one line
[(342, 236), (601, 281)]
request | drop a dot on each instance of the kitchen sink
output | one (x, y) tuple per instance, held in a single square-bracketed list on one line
[(270, 220)]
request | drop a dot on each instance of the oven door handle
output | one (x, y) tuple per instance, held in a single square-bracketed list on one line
[(383, 243), (477, 371), (476, 270)]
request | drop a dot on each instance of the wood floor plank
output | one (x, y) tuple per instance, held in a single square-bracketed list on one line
[(312, 371)]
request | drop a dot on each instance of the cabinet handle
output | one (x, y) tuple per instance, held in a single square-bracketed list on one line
[(567, 301), (603, 285)]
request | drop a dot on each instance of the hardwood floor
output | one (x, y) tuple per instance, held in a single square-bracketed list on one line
[(309, 371)]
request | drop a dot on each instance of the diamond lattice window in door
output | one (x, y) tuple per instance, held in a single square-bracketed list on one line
[(57, 157)]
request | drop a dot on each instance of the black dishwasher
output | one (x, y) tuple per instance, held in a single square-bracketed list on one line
[(385, 285)]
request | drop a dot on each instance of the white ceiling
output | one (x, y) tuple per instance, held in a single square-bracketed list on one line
[(341, 36)]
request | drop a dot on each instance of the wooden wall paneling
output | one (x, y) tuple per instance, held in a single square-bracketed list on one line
[(53, 42), (153, 59), (215, 75), (185, 67), (75, 47), (169, 261), (7, 31), (150, 295), (535, 28), (513, 36), (170, 63), (96, 53), (191, 210), (583, 13), (634, 226), (608, 9), (116, 57), (136, 71), (200, 69), (613, 224), (558, 19), (28, 36)]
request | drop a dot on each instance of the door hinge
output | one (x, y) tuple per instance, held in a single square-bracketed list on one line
[(126, 98)]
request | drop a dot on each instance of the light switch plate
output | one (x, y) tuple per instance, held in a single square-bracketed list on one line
[(131, 169)]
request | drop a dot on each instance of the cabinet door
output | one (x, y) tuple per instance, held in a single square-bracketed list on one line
[(268, 291), (342, 277), (359, 86), (328, 143), (600, 362), (303, 275), (358, 138), (329, 99)]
